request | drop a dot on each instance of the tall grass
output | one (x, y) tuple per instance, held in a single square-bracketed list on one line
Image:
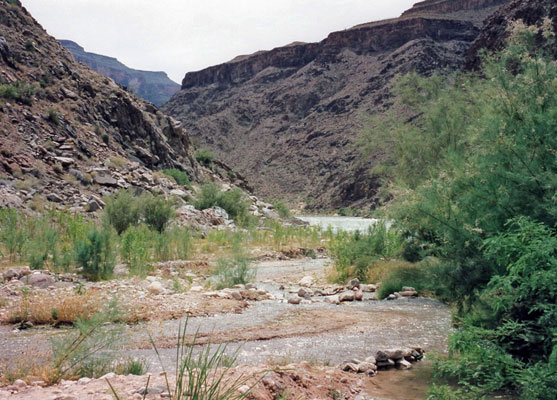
[(355, 253)]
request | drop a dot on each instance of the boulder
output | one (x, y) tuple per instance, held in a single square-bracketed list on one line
[(346, 296), (295, 300), (408, 289), (305, 293), (368, 288), (403, 364), (349, 367), (155, 287), (408, 293), (335, 299), (358, 295), (306, 281), (38, 279), (366, 368), (354, 284)]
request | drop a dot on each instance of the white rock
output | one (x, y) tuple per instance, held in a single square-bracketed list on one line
[(306, 281), (196, 289), (155, 287), (19, 384), (84, 381)]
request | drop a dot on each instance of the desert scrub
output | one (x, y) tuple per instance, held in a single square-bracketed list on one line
[(179, 176), (51, 309), (233, 201), (203, 375), (205, 157), (95, 255), (282, 209), (233, 271), (18, 91), (354, 253), (136, 249)]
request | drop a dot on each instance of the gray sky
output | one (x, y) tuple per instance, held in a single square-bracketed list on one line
[(177, 36)]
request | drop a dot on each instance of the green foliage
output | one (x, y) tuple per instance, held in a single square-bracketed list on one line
[(282, 209), (13, 232), (89, 350), (157, 212), (180, 177), (233, 201), (53, 116), (30, 46), (203, 374), (234, 271), (136, 250), (18, 91), (354, 253), (95, 255), (205, 157), (122, 210)]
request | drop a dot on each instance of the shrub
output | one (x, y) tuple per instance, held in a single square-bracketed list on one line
[(122, 210), (136, 249), (95, 255), (29, 45), (234, 271), (205, 157), (282, 209), (180, 177), (14, 232), (354, 253), (18, 91), (233, 201), (157, 212)]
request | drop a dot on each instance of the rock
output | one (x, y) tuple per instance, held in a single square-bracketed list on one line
[(94, 204), (38, 279), (55, 198), (66, 397), (178, 193), (394, 354), (65, 161), (408, 289), (295, 300), (10, 273), (236, 295), (371, 360), (243, 389), (155, 287), (358, 295), (366, 368), (346, 296), (105, 181), (391, 297), (196, 289), (251, 286), (335, 299), (305, 293), (403, 364), (20, 385), (83, 381), (368, 288), (408, 293), (5, 51), (349, 367), (354, 283), (385, 364), (306, 281)]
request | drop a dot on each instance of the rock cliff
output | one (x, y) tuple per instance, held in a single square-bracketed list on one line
[(69, 135), (287, 118), (155, 87)]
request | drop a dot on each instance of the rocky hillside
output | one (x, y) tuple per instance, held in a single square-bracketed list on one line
[(69, 135), (496, 29), (287, 118), (155, 87)]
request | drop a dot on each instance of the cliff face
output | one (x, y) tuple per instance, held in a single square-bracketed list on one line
[(287, 118), (495, 32), (155, 87), (68, 134)]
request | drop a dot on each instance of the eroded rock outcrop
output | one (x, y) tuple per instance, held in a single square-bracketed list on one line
[(288, 118)]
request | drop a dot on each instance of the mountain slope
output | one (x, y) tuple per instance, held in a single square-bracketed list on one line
[(69, 135), (155, 87), (287, 118)]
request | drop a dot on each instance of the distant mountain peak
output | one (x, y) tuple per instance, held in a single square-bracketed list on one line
[(153, 86)]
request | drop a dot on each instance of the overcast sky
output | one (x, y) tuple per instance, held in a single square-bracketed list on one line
[(177, 36)]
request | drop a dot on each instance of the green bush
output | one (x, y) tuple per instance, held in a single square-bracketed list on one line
[(14, 233), (157, 212), (233, 271), (205, 157), (233, 201), (180, 177), (136, 249), (95, 255), (122, 210), (354, 253), (18, 91), (282, 209)]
